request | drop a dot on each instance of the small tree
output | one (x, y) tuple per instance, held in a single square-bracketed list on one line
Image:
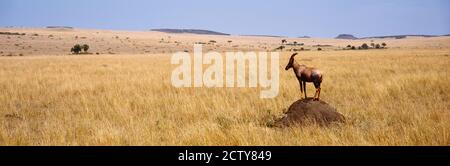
[(295, 43), (319, 49), (280, 48), (377, 46), (372, 44), (349, 46), (76, 49), (384, 44), (283, 41), (212, 41), (364, 46), (85, 47), (353, 48)]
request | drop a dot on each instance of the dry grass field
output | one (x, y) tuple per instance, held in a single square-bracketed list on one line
[(395, 96)]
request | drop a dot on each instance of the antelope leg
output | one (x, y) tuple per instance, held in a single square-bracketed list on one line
[(301, 87), (318, 96), (304, 88), (315, 94)]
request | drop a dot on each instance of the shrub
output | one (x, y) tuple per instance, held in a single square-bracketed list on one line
[(280, 48), (377, 46), (319, 49), (85, 47), (76, 49), (384, 44), (364, 46)]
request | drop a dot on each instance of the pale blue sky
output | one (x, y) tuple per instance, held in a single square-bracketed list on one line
[(318, 18)]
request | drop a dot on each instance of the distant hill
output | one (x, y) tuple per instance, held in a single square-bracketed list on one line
[(264, 36), (59, 27), (346, 36), (304, 37), (397, 36), (192, 31)]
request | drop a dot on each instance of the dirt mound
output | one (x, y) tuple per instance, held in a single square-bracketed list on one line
[(305, 111)]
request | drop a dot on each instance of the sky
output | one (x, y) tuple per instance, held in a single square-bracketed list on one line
[(293, 18)]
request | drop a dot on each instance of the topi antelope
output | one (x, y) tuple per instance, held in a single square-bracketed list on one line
[(306, 74)]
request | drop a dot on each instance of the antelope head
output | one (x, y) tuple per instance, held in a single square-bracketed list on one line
[(291, 62)]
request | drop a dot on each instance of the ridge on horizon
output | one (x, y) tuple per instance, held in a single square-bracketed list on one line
[(212, 32)]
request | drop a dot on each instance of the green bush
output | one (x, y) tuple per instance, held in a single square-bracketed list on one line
[(364, 46), (85, 47), (76, 49), (377, 46)]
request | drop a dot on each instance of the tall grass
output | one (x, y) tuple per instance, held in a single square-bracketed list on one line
[(390, 97)]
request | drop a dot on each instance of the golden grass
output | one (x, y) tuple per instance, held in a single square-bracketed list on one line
[(390, 97)]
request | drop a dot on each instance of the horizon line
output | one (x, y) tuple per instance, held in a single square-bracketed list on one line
[(230, 34)]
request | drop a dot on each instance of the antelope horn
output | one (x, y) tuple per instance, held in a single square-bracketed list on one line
[(292, 56)]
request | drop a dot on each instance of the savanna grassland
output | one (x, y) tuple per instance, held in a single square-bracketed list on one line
[(394, 96)]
